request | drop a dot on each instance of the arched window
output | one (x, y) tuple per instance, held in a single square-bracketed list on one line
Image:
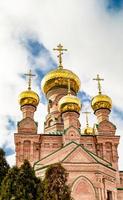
[(26, 149), (108, 147)]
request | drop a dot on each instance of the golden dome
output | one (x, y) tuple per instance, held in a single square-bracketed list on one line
[(101, 101), (59, 78), (69, 103), (28, 97), (88, 131)]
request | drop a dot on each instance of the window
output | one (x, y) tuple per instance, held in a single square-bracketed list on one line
[(55, 145), (109, 195), (46, 145)]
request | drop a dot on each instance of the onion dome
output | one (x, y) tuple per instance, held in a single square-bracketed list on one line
[(59, 77), (101, 100), (88, 131), (29, 97), (69, 103)]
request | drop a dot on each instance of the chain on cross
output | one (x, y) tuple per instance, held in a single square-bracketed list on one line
[(98, 79), (60, 50), (30, 75)]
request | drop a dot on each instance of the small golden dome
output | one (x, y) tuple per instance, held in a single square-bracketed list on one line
[(88, 131), (101, 101), (28, 97), (59, 78), (69, 103)]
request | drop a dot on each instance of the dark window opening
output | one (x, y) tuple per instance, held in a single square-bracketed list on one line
[(109, 195)]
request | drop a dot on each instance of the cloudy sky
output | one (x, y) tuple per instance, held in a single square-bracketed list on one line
[(92, 31)]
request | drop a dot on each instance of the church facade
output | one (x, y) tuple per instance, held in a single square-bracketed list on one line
[(89, 155)]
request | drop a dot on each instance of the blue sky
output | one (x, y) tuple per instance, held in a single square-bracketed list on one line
[(114, 5), (93, 34)]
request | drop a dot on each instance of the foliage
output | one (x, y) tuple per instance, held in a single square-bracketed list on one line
[(10, 185), (4, 167), (21, 184), (55, 187)]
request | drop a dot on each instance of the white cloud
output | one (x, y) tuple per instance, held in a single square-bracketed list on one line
[(93, 37)]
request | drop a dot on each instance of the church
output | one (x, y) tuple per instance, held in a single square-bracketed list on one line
[(90, 155)]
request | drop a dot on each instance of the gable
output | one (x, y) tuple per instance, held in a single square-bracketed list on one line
[(70, 153), (79, 155), (27, 125), (106, 127), (57, 156)]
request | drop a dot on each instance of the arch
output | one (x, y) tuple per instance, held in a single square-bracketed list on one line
[(108, 146), (82, 188), (26, 149)]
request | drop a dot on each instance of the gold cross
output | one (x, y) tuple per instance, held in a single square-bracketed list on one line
[(30, 75), (87, 121), (60, 50), (98, 79)]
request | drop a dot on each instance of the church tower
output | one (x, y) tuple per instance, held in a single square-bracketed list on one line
[(26, 138), (62, 113), (107, 141)]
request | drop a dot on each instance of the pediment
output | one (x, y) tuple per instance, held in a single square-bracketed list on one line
[(106, 127), (58, 155), (71, 152), (27, 125), (79, 155)]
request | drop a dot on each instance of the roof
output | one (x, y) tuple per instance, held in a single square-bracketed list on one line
[(71, 153)]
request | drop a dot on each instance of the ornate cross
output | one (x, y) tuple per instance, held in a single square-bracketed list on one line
[(98, 79), (60, 50), (30, 75), (87, 121)]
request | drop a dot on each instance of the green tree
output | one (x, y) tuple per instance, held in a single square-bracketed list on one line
[(30, 184), (21, 184), (10, 187), (55, 187), (4, 167)]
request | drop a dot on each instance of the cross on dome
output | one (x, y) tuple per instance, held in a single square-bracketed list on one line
[(87, 121), (60, 50), (98, 79), (30, 75)]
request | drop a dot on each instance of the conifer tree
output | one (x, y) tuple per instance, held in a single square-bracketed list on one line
[(4, 167), (55, 187), (30, 184), (21, 184), (10, 186)]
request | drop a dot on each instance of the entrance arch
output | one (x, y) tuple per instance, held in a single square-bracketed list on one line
[(82, 188)]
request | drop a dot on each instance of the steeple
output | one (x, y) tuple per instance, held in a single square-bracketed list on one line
[(101, 104), (70, 106), (58, 78), (69, 102), (28, 99), (87, 130)]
